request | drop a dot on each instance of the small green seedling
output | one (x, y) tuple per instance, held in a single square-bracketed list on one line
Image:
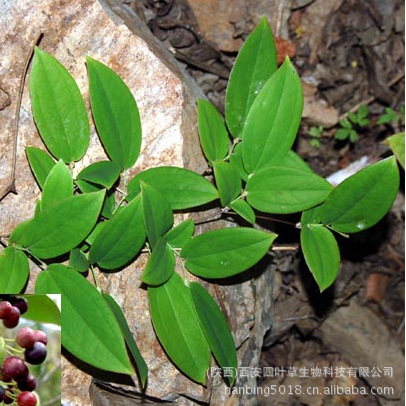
[(350, 126), (315, 134), (392, 117), (92, 223)]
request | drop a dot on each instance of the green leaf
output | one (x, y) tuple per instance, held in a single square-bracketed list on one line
[(40, 162), (353, 118), (180, 234), (42, 309), (160, 265), (158, 216), (286, 190), (61, 227), (273, 120), (215, 328), (14, 270), (294, 161), (58, 186), (237, 163), (142, 367), (242, 208), (104, 173), (362, 112), (181, 188), (228, 181), (226, 252), (353, 136), (345, 124), (58, 108), (89, 328), (178, 329), (363, 199), (78, 260), (120, 239), (255, 64), (212, 131), (115, 113), (321, 253), (396, 143), (90, 239), (109, 201), (342, 134)]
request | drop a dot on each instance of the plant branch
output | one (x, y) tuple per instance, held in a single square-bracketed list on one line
[(10, 187)]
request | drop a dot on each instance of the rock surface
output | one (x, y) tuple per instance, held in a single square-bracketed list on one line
[(109, 32)]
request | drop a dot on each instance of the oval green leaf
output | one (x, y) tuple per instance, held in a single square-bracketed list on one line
[(181, 188), (228, 182), (255, 64), (226, 252), (273, 120), (104, 173), (58, 108), (363, 199), (160, 265), (121, 238), (109, 202), (242, 208), (321, 253), (293, 160), (42, 309), (212, 131), (142, 367), (181, 234), (178, 328), (282, 190), (40, 162), (58, 185), (61, 227), (215, 328), (158, 216), (89, 328), (14, 270), (115, 113)]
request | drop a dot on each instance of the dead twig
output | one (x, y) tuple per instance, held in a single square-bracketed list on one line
[(10, 187), (370, 99)]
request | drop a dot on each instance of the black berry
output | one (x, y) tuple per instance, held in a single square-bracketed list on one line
[(37, 354)]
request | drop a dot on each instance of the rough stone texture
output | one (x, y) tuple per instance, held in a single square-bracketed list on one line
[(361, 337), (166, 100), (223, 22)]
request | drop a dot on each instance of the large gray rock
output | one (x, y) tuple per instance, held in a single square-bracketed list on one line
[(109, 32)]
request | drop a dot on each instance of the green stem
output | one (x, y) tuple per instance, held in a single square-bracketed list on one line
[(94, 277)]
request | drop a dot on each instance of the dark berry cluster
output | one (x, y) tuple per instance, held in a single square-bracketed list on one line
[(17, 383)]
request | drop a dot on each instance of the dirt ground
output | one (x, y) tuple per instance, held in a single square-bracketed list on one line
[(348, 53)]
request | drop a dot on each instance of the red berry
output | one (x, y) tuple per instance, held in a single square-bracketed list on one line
[(26, 337), (4, 377), (28, 385), (37, 354), (13, 318), (5, 308), (26, 399), (40, 336), (15, 368)]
